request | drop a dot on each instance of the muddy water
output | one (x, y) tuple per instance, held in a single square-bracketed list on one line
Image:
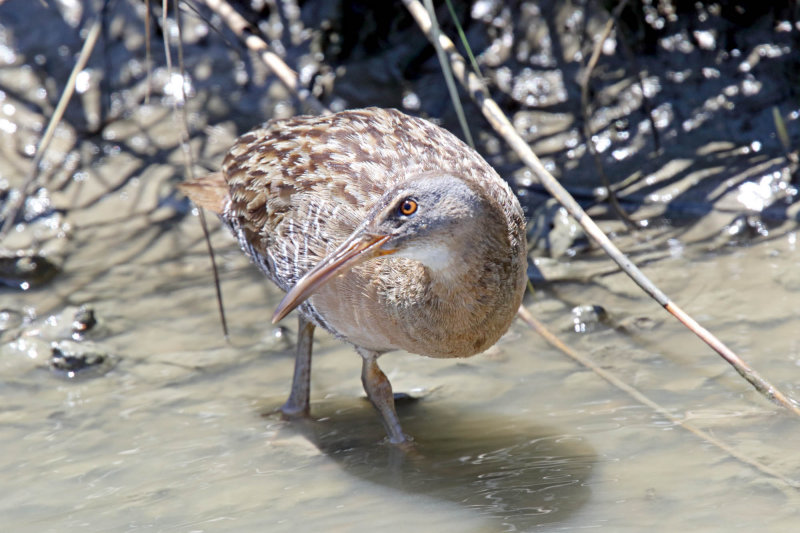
[(179, 434), (146, 418)]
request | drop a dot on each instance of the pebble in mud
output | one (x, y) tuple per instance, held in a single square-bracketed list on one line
[(83, 322), (56, 342), (588, 318), (71, 360)]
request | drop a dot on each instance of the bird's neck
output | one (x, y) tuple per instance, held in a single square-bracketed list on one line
[(466, 303), (441, 263)]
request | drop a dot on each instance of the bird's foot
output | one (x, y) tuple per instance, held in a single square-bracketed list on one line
[(406, 443), (291, 411)]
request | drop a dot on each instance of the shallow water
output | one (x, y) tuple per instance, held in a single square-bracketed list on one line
[(180, 435), (174, 429)]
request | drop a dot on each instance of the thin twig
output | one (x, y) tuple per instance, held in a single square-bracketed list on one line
[(585, 77), (478, 91), (179, 110), (641, 76), (254, 42), (463, 37), (44, 142), (148, 55), (448, 75), (540, 328)]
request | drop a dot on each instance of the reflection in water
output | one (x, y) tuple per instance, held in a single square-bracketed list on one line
[(520, 475)]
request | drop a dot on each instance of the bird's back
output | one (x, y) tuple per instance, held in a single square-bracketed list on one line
[(299, 186)]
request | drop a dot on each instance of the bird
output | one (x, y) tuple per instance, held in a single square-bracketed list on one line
[(382, 228)]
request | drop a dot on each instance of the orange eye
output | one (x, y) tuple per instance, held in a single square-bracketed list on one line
[(407, 207)]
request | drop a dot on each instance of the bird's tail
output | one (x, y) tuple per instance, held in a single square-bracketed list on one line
[(209, 192)]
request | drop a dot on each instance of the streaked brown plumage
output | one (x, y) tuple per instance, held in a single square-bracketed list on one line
[(384, 229)]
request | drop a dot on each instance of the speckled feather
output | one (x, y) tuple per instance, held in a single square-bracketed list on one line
[(294, 189)]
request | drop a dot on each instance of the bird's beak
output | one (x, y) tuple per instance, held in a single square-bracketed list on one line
[(359, 247)]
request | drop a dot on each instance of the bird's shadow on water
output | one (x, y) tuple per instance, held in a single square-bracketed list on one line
[(519, 474)]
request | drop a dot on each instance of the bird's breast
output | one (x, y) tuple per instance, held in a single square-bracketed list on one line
[(350, 306), (394, 304)]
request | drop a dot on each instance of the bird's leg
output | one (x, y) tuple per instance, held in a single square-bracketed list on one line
[(297, 404), (379, 392)]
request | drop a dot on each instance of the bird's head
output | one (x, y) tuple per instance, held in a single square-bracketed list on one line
[(431, 218)]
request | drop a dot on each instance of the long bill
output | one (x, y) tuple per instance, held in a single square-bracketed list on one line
[(357, 248)]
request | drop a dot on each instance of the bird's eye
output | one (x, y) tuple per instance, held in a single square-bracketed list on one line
[(407, 207)]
